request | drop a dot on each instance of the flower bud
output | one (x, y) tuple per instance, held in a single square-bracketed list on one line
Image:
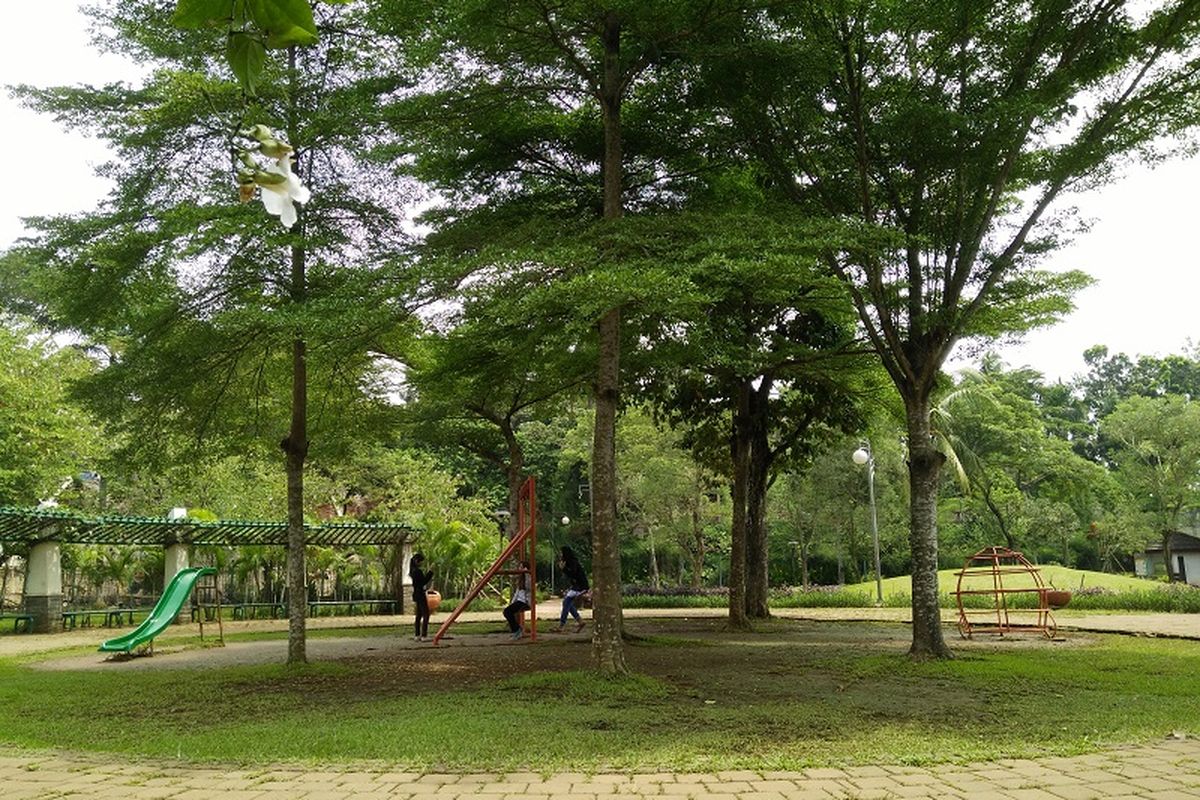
[(274, 148), (263, 178), (260, 132)]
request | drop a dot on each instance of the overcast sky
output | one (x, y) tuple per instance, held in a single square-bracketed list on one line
[(1142, 247)]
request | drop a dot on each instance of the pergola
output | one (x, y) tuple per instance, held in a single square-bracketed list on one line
[(31, 526), (44, 529)]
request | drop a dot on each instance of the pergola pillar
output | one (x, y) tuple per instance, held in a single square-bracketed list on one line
[(406, 554), (43, 586), (175, 561)]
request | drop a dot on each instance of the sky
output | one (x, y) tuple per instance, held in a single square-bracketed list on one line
[(1141, 249)]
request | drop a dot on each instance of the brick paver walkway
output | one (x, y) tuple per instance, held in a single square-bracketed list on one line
[(1164, 771)]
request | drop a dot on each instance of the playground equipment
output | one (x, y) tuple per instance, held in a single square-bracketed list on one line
[(522, 548), (167, 609), (1019, 599)]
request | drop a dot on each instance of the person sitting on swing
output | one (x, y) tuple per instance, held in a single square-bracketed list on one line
[(520, 601)]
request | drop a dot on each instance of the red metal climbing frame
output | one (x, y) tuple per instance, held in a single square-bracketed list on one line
[(523, 547), (1007, 578)]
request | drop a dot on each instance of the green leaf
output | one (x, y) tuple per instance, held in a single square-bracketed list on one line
[(201, 13), (286, 22), (246, 57)]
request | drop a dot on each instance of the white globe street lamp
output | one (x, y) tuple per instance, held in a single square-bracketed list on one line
[(566, 521), (860, 457)]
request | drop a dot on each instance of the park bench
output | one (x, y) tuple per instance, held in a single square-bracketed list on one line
[(315, 606), (113, 617), (251, 610), (20, 621), (244, 611)]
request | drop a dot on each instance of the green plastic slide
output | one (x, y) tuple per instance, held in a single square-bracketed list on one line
[(164, 613)]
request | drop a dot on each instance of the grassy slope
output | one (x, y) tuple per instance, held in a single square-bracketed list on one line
[(1061, 577)]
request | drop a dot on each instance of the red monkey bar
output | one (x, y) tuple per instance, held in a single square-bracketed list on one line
[(523, 547)]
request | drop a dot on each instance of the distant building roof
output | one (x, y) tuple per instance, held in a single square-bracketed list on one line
[(1180, 543)]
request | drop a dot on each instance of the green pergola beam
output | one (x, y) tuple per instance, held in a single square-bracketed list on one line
[(46, 524)]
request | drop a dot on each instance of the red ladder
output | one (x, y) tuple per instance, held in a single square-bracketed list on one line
[(524, 547)]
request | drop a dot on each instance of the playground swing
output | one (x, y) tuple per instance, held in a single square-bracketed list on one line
[(522, 547)]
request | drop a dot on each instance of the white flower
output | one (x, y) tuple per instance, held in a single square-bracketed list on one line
[(280, 188)]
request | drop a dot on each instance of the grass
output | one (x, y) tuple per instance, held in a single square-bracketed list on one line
[(791, 696), (1093, 591), (1061, 577)]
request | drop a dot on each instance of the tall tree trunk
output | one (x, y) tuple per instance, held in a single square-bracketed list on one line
[(295, 446), (740, 453), (804, 566), (924, 470), (841, 569), (757, 554), (1009, 542), (1166, 543), (655, 580), (608, 650), (697, 553)]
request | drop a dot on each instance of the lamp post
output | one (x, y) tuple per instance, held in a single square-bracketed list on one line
[(502, 515), (862, 456)]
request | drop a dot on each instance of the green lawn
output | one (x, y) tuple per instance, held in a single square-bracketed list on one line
[(795, 694)]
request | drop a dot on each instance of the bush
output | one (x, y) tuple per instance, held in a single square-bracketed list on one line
[(1174, 598), (676, 601), (822, 597)]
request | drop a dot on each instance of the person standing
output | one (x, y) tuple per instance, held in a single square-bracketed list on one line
[(570, 566), (520, 601), (420, 584)]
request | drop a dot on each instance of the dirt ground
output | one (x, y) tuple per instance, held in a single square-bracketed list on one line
[(675, 649)]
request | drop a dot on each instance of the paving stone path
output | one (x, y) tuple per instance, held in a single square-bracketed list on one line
[(1163, 771)]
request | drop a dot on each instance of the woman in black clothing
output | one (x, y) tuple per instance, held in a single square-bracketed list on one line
[(420, 584), (520, 601), (569, 563)]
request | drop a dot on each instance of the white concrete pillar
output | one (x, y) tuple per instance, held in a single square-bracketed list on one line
[(43, 586), (175, 561), (406, 554)]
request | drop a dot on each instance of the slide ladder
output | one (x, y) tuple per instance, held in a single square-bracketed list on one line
[(523, 547), (165, 611)]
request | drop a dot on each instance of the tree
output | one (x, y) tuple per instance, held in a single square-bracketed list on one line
[(45, 438), (478, 383), (529, 106), (955, 132), (210, 319), (1158, 457), (760, 359), (1023, 476)]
